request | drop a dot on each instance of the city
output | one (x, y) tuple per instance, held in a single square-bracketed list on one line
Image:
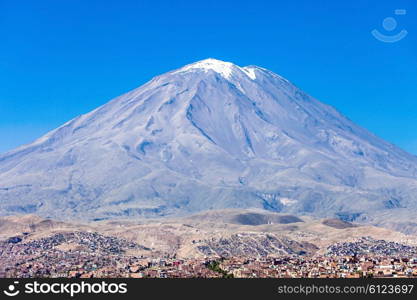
[(93, 255)]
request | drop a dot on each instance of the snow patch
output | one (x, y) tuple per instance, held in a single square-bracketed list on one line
[(225, 69), (250, 72), (221, 67)]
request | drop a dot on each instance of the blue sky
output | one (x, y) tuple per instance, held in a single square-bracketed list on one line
[(60, 59)]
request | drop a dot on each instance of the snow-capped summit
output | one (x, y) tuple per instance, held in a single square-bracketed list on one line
[(211, 135), (225, 69)]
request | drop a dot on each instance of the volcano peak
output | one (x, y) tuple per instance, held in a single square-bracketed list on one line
[(225, 69)]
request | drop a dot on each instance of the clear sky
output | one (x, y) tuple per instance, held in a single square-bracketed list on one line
[(60, 59)]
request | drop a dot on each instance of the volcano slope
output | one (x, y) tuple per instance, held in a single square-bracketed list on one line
[(211, 135)]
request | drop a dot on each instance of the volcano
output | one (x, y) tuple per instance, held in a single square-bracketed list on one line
[(211, 135)]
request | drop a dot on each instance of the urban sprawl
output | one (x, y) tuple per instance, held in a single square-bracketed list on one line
[(104, 256)]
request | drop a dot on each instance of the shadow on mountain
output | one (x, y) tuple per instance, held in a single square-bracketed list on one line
[(338, 224), (261, 219)]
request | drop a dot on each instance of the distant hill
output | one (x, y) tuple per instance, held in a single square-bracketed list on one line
[(336, 223)]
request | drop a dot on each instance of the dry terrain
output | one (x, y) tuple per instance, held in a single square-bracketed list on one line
[(226, 233)]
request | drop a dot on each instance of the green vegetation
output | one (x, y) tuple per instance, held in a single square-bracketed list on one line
[(215, 266)]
